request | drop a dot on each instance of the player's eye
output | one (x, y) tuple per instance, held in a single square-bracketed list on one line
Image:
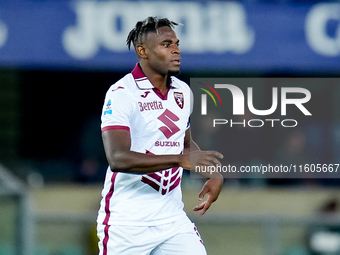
[(167, 45)]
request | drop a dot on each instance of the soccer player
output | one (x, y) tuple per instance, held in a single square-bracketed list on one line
[(146, 136)]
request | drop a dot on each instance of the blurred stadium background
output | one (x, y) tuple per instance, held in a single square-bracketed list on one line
[(57, 59)]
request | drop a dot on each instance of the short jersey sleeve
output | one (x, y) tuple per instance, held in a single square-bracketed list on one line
[(191, 106), (117, 109), (191, 101)]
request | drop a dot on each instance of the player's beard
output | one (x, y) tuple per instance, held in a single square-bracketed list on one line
[(168, 77), (173, 72)]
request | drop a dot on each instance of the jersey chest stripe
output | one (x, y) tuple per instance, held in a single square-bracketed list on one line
[(108, 197), (175, 184)]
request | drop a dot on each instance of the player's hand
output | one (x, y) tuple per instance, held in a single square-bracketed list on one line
[(212, 188), (200, 158)]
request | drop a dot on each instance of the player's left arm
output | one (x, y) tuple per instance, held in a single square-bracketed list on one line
[(212, 186)]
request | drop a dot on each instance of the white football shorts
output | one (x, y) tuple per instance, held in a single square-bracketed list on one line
[(175, 238)]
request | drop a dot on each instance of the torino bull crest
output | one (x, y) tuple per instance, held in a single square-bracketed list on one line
[(179, 99)]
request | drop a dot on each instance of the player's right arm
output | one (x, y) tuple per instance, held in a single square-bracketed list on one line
[(117, 144)]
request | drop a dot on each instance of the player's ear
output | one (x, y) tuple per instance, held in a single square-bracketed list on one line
[(141, 51)]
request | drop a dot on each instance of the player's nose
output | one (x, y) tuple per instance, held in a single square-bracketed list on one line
[(176, 50)]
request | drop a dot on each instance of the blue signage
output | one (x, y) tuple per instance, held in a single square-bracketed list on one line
[(215, 36)]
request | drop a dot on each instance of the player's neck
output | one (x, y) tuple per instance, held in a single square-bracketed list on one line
[(157, 80), (160, 82)]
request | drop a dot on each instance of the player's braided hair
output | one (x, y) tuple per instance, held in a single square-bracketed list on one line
[(150, 24)]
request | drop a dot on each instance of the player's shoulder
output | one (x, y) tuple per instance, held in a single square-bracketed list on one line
[(180, 84), (122, 86)]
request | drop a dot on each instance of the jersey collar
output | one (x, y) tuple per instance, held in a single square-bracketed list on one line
[(142, 81)]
